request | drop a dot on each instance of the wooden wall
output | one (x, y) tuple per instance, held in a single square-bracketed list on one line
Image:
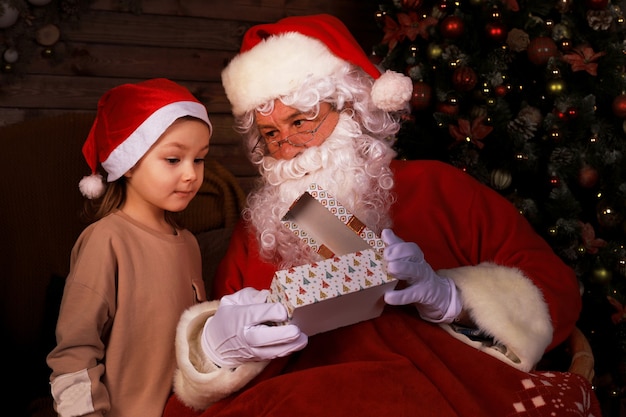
[(188, 41)]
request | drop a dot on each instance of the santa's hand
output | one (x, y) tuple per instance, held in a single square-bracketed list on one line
[(436, 298), (247, 329)]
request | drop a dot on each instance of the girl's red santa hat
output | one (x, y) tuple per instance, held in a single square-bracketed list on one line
[(130, 119), (276, 58)]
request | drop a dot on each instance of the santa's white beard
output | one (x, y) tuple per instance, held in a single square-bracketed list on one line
[(352, 167)]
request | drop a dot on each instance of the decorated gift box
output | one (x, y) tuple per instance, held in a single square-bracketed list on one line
[(348, 285)]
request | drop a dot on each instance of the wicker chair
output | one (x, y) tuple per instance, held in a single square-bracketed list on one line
[(582, 360)]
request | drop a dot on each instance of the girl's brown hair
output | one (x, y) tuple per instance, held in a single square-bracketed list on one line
[(112, 199)]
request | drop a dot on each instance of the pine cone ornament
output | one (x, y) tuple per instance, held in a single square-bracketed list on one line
[(599, 19), (522, 127), (562, 156)]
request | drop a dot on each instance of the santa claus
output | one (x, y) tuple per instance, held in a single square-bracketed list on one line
[(483, 296)]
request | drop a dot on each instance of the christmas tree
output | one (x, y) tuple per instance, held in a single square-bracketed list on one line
[(529, 97)]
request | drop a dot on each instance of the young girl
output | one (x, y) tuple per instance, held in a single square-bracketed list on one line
[(134, 270)]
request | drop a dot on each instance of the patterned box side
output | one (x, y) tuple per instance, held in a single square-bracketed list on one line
[(334, 277)]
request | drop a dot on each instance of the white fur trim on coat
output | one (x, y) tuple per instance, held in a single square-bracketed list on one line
[(506, 305), (198, 382)]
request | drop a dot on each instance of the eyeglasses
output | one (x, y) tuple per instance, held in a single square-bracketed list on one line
[(298, 139)]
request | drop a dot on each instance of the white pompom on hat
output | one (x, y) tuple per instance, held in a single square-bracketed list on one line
[(276, 58), (130, 119)]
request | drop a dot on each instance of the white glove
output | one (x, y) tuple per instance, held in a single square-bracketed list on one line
[(247, 329), (435, 297)]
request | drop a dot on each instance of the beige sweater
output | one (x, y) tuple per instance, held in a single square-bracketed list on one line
[(124, 295)]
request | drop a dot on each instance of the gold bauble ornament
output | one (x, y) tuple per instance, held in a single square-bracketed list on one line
[(601, 275), (501, 179), (434, 51)]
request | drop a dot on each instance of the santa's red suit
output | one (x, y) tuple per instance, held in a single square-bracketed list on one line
[(511, 283)]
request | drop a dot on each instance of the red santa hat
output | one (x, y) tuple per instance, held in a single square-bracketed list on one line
[(130, 119), (276, 58)]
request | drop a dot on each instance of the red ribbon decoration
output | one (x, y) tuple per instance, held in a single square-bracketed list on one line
[(589, 239), (583, 59), (620, 315), (474, 132), (409, 26)]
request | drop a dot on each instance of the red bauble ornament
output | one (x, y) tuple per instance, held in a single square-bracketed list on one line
[(588, 176), (541, 49), (452, 27), (375, 59), (422, 93), (464, 79), (501, 90), (597, 4), (619, 106), (496, 31), (448, 108)]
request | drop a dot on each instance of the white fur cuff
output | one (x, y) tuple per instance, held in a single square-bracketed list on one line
[(198, 382), (506, 305)]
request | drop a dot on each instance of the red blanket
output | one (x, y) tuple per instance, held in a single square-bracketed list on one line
[(399, 365)]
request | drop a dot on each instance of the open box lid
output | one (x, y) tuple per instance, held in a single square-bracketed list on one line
[(328, 227)]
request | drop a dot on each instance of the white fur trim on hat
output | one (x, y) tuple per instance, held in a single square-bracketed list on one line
[(276, 67), (129, 152)]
